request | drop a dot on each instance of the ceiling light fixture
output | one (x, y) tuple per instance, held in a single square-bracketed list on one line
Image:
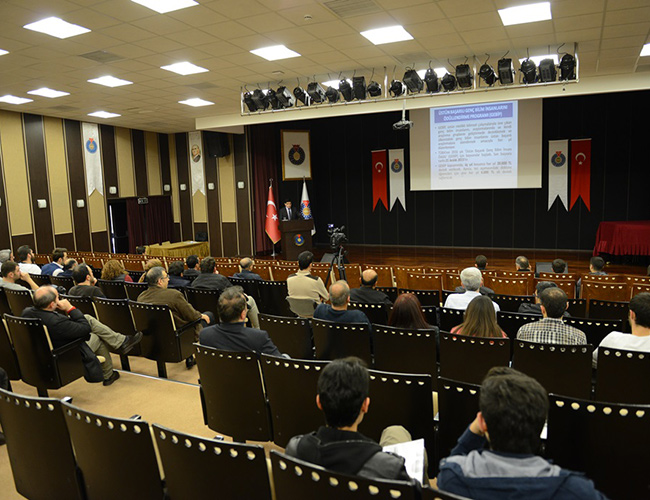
[(568, 67), (506, 71), (57, 27), (464, 76), (359, 87), (413, 81), (522, 14), (196, 102), (164, 6), (275, 52), (3, 52), (645, 51), (547, 70), (388, 34), (45, 92), (110, 81), (12, 99), (184, 68), (103, 114)]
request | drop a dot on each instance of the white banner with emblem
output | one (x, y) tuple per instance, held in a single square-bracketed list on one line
[(196, 162), (558, 170), (396, 177), (92, 158)]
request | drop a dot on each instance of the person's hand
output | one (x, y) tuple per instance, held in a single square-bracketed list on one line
[(64, 305), (27, 278), (205, 318)]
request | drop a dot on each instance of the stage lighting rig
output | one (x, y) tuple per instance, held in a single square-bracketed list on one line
[(486, 73), (413, 82), (448, 82), (346, 89), (316, 92), (285, 97), (302, 96), (431, 80), (397, 88), (359, 87), (529, 71), (260, 99), (506, 71), (567, 67), (374, 89), (248, 101), (547, 70), (332, 95), (464, 76)]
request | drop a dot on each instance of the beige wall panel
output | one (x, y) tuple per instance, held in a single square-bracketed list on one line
[(199, 207), (15, 171), (125, 169), (58, 173), (154, 175), (176, 201), (97, 212), (226, 171)]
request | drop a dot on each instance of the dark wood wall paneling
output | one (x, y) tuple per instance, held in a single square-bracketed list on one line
[(140, 163), (244, 231), (229, 238), (182, 162), (109, 160), (5, 233), (74, 155), (38, 181), (100, 241), (23, 239), (214, 209), (165, 168), (65, 240), (341, 189)]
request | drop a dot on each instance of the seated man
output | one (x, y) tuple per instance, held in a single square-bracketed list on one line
[(497, 457), (59, 257), (85, 283), (596, 265), (481, 262), (231, 334), (176, 278), (639, 319), (247, 264), (558, 266), (303, 284), (342, 395), (366, 293), (536, 308), (522, 264), (25, 257), (68, 267), (193, 268), (551, 329), (11, 273), (72, 325), (6, 255), (338, 311), (472, 281)]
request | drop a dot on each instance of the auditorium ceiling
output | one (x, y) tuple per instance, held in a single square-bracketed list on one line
[(132, 42)]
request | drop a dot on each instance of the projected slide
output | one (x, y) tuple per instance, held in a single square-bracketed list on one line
[(474, 147)]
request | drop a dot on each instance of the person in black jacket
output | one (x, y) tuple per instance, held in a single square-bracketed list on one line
[(66, 323), (536, 308), (367, 294)]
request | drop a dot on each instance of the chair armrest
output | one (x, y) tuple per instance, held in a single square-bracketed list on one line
[(68, 347), (180, 331)]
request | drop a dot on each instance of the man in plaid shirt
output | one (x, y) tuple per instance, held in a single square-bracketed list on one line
[(551, 329)]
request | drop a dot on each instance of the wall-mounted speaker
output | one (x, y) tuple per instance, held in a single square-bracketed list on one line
[(217, 144)]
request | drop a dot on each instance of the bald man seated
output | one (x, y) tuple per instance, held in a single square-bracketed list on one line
[(66, 323), (367, 293), (247, 264), (338, 312)]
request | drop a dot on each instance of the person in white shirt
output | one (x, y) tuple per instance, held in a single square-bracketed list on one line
[(472, 280), (639, 339), (25, 256)]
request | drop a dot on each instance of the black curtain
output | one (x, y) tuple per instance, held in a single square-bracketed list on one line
[(149, 223), (135, 224)]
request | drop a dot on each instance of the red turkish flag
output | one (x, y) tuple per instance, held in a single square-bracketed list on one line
[(581, 171), (379, 176), (272, 225)]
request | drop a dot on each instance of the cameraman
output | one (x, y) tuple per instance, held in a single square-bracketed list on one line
[(303, 284)]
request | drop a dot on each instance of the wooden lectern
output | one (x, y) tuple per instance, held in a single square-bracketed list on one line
[(296, 237)]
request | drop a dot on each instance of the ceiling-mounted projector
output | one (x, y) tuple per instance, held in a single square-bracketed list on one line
[(403, 124)]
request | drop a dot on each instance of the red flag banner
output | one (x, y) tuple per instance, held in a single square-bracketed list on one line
[(581, 171), (379, 183), (272, 225)]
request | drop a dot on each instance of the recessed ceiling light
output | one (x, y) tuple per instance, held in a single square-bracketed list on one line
[(526, 13), (184, 68), (110, 81), (164, 6), (56, 27), (538, 59), (3, 52), (275, 52), (45, 92), (645, 51), (103, 114), (389, 34), (12, 99), (196, 102)]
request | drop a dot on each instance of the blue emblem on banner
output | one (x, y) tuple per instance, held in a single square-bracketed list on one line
[(396, 166), (558, 159), (91, 146), (305, 209), (299, 240)]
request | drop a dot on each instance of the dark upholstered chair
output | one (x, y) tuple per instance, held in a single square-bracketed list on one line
[(42, 366), (19, 300), (63, 281), (294, 479), (608, 442), (431, 315), (232, 394), (272, 298), (39, 448), (457, 407), (561, 369), (468, 359), (292, 336), (595, 330), (376, 313), (577, 308), (449, 318), (607, 309), (8, 359), (293, 411), (200, 468), (511, 303), (4, 303), (338, 340), (116, 455), (203, 300), (250, 287), (622, 376), (133, 290), (84, 304), (511, 322), (426, 297), (116, 314), (41, 279), (391, 291), (112, 289)]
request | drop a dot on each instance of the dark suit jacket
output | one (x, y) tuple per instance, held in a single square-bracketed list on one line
[(211, 281), (247, 275), (367, 295), (181, 309), (294, 213), (63, 329), (178, 281), (237, 337), (528, 308)]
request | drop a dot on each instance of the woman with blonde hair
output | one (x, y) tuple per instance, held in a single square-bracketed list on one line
[(480, 320), (150, 264), (113, 270)]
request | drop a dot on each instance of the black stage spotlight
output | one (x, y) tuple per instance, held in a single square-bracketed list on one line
[(332, 95), (397, 88), (346, 90), (529, 70), (547, 71), (464, 76), (250, 104), (486, 73), (448, 82), (260, 99), (285, 97), (431, 79), (316, 92), (273, 99), (506, 72), (567, 67), (302, 96), (374, 89), (413, 82), (359, 87)]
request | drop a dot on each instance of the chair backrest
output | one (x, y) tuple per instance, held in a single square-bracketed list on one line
[(402, 272), (19, 300), (293, 411), (302, 306), (512, 322), (560, 368), (405, 351), (640, 288), (195, 466), (431, 315), (426, 297), (352, 274), (605, 290), (281, 273), (272, 298), (227, 269), (41, 279), (339, 340), (203, 300), (391, 291), (449, 318), (606, 441), (264, 270), (232, 394), (568, 285), (622, 376), (39, 448), (249, 286), (594, 329), (4, 303), (603, 278), (8, 359), (376, 313), (116, 455), (133, 290), (511, 303), (558, 276), (608, 309), (637, 280), (291, 336), (417, 281), (511, 286), (457, 406), (294, 478), (116, 314), (577, 307), (468, 359), (452, 280), (84, 304), (385, 277), (322, 273), (63, 281), (112, 289), (42, 258)]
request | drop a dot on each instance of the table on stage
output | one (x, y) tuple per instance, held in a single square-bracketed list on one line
[(180, 249), (623, 238)]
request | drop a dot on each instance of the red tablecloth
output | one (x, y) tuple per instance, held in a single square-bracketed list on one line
[(623, 238)]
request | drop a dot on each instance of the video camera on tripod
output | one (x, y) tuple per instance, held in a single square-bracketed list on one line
[(337, 236)]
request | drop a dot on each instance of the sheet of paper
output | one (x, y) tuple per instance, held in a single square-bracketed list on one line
[(413, 453)]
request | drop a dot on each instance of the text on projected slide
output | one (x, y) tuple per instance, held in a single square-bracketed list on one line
[(474, 147)]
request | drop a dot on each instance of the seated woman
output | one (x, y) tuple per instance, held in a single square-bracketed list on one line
[(480, 320), (407, 313), (113, 270), (150, 264)]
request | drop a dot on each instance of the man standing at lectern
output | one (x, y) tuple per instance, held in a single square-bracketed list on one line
[(287, 212)]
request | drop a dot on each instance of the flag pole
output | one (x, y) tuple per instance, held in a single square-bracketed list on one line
[(273, 254)]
